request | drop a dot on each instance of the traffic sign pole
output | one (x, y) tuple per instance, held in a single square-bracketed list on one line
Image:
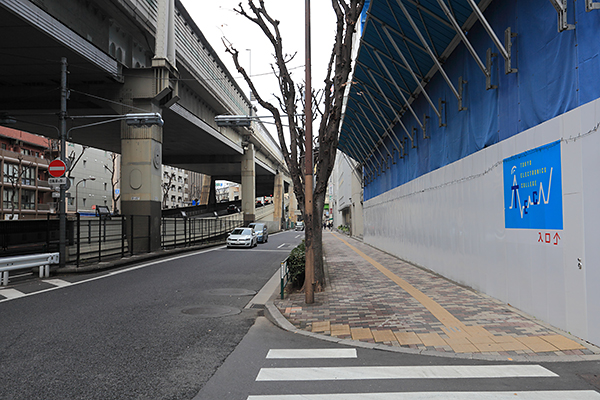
[(62, 240)]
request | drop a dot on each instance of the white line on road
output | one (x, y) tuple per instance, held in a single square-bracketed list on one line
[(281, 245), (57, 282), (531, 395), (410, 372), (312, 353), (11, 294), (121, 271)]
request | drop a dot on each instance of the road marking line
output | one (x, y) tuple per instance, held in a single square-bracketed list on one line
[(113, 273), (281, 245), (405, 372), (57, 282), (530, 395), (11, 294), (312, 353)]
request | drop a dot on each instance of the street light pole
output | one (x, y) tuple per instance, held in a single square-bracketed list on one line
[(62, 240), (91, 178), (308, 168)]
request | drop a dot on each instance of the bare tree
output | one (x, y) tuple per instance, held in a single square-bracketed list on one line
[(330, 109), (166, 186), (15, 176), (114, 181)]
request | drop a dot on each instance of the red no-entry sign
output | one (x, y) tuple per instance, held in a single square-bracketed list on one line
[(57, 168)]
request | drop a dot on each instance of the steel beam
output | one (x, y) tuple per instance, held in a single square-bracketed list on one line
[(431, 54), (463, 37), (398, 116), (591, 5), (405, 61), (398, 89), (382, 124)]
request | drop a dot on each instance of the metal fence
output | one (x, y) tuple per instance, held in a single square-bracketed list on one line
[(96, 239)]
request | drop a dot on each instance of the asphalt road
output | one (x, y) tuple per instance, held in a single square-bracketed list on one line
[(154, 331), (324, 370)]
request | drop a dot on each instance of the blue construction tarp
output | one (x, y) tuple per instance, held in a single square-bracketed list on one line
[(557, 72)]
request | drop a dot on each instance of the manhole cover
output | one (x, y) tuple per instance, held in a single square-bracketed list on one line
[(211, 311), (232, 292)]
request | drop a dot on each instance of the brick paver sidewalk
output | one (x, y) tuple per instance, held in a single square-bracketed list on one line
[(375, 297)]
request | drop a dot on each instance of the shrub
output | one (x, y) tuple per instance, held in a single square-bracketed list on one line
[(296, 262)]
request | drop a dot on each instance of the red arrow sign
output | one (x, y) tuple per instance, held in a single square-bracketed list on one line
[(57, 168)]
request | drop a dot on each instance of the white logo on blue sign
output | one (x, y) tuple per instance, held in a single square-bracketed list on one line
[(533, 189)]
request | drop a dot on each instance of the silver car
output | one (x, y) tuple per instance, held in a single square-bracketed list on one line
[(242, 237), (262, 232)]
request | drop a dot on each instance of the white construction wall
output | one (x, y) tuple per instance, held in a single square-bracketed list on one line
[(452, 221)]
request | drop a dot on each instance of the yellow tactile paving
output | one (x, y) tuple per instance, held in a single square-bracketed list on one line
[(513, 346), (432, 339), (504, 339), (476, 330), (340, 330), (462, 338), (536, 344), (488, 347), (434, 308), (361, 333), (407, 338), (562, 343), (454, 332), (384, 336), (464, 348), (321, 326), (480, 339)]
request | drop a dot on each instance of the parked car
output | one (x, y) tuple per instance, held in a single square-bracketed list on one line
[(232, 209), (300, 226), (262, 233), (242, 237)]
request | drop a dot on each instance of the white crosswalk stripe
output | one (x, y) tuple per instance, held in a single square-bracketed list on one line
[(311, 353), (359, 373), (11, 293), (57, 282), (533, 395)]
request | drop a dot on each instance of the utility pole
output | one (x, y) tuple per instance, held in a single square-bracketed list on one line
[(62, 241), (309, 271)]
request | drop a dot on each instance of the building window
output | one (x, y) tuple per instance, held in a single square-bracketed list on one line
[(84, 199), (28, 199), (84, 163), (3, 146), (105, 186), (7, 198), (28, 176)]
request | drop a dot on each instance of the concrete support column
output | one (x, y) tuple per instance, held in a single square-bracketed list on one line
[(248, 185), (141, 159), (293, 206), (278, 199)]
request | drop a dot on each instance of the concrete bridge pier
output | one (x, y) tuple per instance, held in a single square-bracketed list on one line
[(278, 199), (141, 150), (248, 185)]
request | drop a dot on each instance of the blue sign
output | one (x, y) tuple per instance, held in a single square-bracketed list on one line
[(533, 189)]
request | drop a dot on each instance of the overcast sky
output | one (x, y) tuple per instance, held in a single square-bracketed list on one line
[(216, 19)]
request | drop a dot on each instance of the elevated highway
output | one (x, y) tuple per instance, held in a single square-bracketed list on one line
[(127, 56)]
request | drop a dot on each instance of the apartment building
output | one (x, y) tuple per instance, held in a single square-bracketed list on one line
[(24, 184)]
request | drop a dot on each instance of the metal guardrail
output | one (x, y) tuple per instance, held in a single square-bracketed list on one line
[(285, 275), (42, 261)]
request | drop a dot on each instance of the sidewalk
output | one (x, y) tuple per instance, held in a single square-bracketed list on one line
[(376, 300)]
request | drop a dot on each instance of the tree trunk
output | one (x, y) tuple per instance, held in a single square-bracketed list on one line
[(318, 201)]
